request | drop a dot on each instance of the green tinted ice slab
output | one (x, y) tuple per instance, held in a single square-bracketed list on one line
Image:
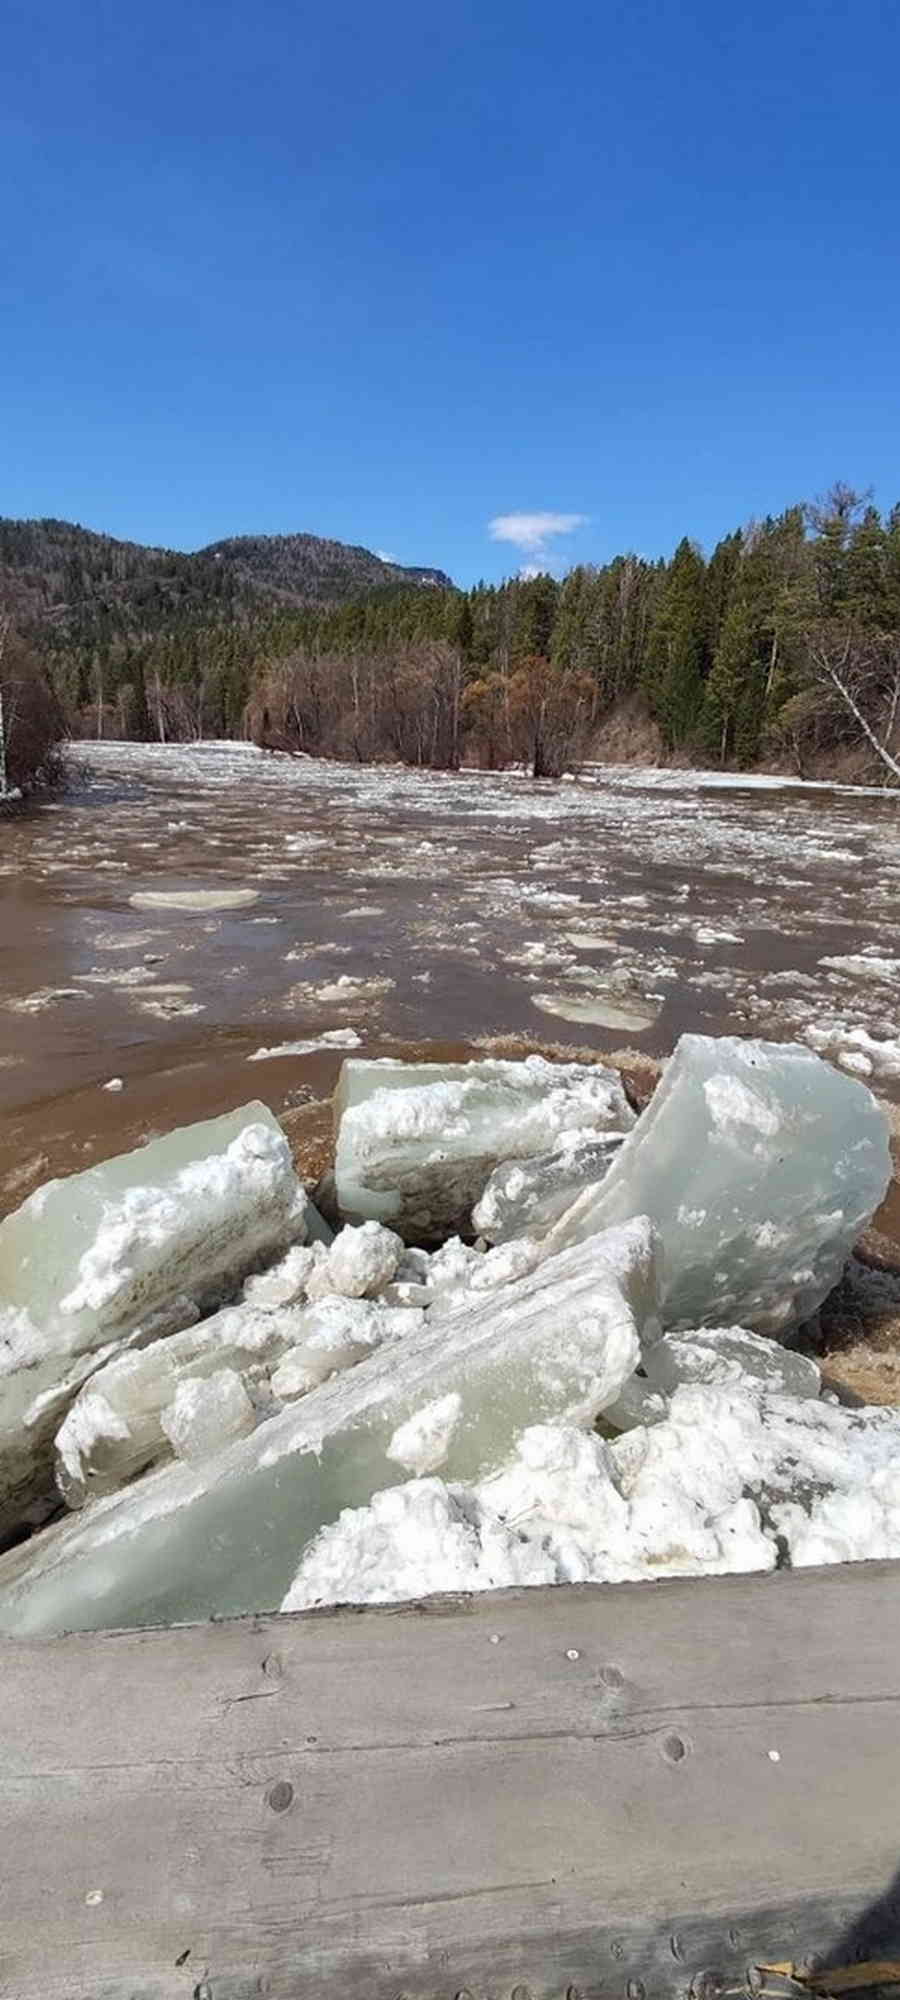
[(87, 1258), (417, 1141), (759, 1165), (226, 1537)]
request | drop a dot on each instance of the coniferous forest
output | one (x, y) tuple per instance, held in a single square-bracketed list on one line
[(781, 646)]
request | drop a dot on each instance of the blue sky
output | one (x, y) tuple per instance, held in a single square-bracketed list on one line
[(390, 273)]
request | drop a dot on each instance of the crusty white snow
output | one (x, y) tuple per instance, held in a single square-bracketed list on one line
[(712, 1488)]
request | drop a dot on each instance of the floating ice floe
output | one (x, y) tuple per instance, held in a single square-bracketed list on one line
[(332, 1038), (225, 1534), (758, 1165), (416, 1142), (193, 899), (604, 1008), (857, 1049)]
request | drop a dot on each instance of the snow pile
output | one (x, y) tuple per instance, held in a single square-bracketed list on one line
[(733, 1479), (555, 1365)]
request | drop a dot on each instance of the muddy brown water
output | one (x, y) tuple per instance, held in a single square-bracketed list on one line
[(620, 910)]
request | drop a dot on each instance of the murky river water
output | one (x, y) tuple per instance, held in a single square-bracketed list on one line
[(407, 908)]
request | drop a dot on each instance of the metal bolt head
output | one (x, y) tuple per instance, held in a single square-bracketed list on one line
[(280, 1795)]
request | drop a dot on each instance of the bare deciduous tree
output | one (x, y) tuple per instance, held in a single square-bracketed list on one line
[(30, 720), (861, 674)]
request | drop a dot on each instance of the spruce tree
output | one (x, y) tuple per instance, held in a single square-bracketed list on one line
[(677, 651)]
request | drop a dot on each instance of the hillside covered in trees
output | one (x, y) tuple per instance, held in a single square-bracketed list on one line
[(782, 645)]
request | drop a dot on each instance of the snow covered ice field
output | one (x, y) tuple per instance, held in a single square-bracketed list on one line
[(189, 908)]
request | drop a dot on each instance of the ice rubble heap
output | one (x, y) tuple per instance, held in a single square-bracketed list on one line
[(238, 1410)]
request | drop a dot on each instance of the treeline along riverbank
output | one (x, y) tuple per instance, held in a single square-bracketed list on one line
[(781, 646)]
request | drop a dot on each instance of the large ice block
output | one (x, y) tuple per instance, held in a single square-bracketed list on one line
[(33, 1402), (416, 1142), (84, 1259), (227, 1535), (759, 1165)]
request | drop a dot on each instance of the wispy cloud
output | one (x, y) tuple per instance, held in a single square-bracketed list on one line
[(384, 555), (533, 534)]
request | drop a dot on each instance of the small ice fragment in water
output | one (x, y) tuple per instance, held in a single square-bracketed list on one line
[(333, 1038), (193, 899), (605, 1008)]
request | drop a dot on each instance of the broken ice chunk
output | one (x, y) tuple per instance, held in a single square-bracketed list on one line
[(114, 1428), (334, 1333), (207, 1414), (759, 1165), (416, 1142), (637, 1403), (729, 1354), (285, 1282), (486, 1271), (528, 1195), (88, 1257), (421, 1444), (226, 1536), (359, 1263), (33, 1403)]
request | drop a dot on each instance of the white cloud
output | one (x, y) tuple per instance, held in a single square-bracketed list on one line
[(532, 534), (384, 555)]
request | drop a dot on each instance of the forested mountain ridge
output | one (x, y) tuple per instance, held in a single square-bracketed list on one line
[(781, 646), (305, 569), (90, 603)]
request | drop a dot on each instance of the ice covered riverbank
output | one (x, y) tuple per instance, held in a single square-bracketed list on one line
[(242, 1409)]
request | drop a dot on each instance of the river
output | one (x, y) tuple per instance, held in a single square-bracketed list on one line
[(182, 908)]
